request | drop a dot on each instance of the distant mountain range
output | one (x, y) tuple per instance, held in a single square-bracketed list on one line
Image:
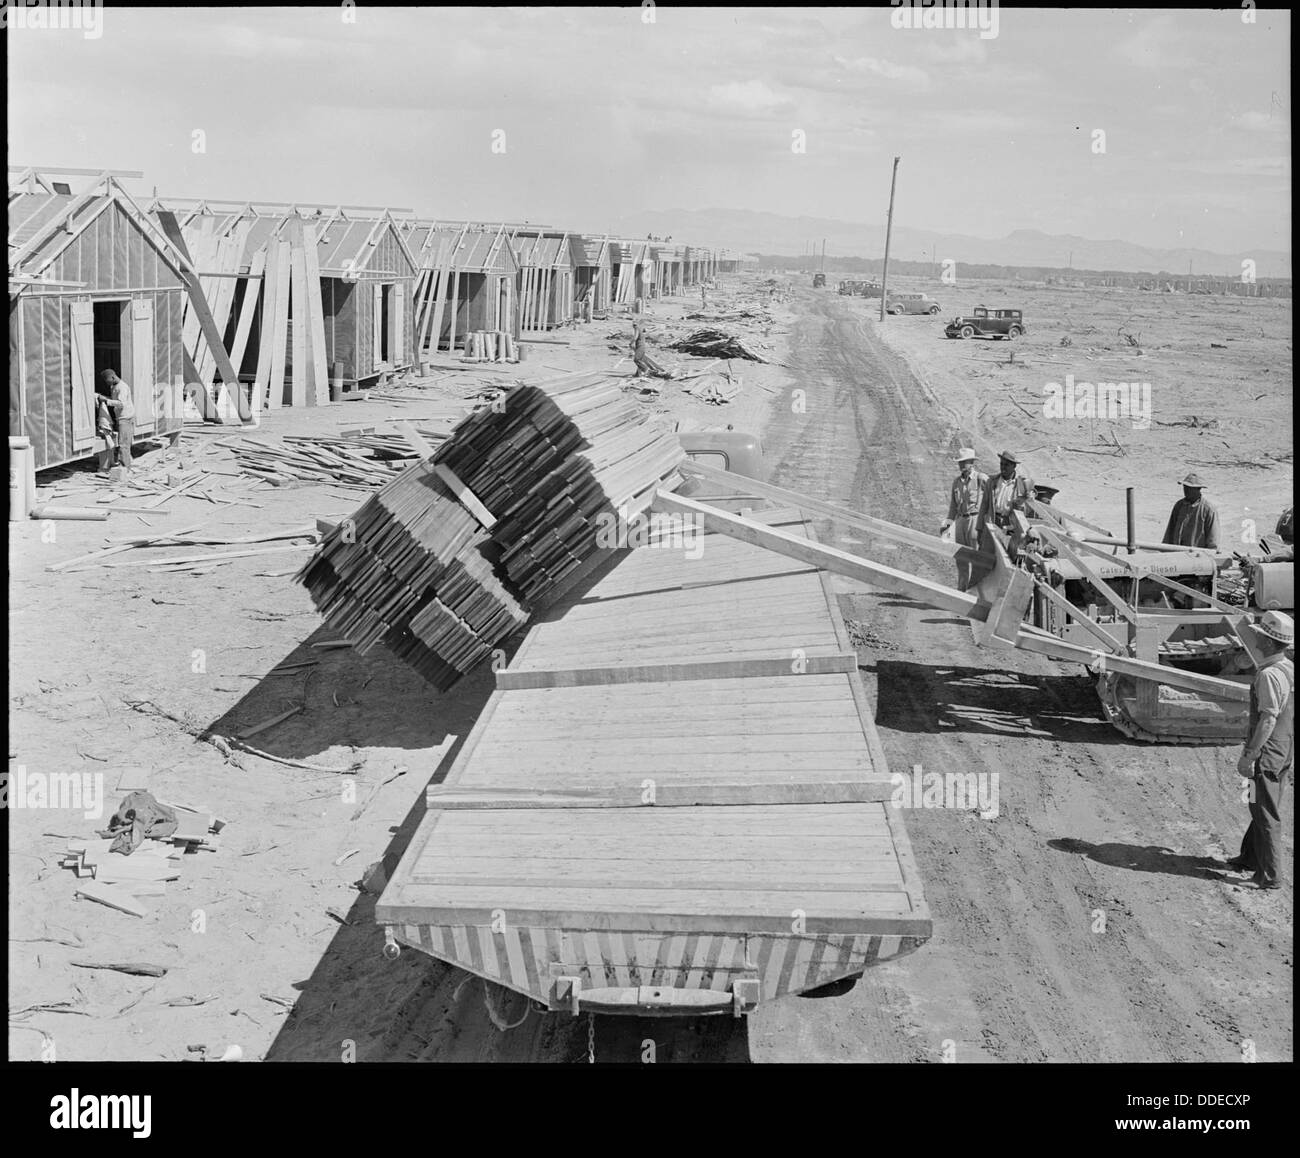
[(751, 231)]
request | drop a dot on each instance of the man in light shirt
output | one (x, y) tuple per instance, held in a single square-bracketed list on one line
[(1268, 758), (964, 498), (117, 396), (1008, 490)]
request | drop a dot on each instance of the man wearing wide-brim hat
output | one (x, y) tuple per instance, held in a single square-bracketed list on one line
[(964, 498), (1193, 522), (1268, 758), (1008, 490)]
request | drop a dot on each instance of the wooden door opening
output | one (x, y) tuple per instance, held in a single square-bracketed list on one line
[(111, 322), (384, 321)]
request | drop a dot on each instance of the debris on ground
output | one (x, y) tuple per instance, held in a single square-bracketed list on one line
[(715, 344)]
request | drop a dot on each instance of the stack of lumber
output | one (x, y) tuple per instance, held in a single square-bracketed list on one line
[(407, 569), (715, 344), (452, 556), (490, 346)]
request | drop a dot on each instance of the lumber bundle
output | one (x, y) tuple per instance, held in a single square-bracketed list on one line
[(451, 557), (715, 344), (490, 346)]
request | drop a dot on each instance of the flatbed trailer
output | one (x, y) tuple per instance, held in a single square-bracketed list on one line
[(674, 802)]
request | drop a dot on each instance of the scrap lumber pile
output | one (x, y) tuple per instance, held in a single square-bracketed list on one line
[(715, 344), (356, 460), (453, 555), (120, 881), (714, 388), (490, 346)]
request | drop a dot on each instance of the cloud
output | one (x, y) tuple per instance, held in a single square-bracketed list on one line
[(1152, 46), (751, 96), (873, 66), (1255, 121)]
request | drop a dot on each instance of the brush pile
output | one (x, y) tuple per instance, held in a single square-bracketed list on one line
[(715, 344), (452, 556)]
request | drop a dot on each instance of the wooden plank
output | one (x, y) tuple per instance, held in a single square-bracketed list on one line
[(849, 518), (1078, 616), (198, 302), (318, 388), (1063, 544), (270, 256), (945, 598), (299, 323), (114, 896), (467, 497), (508, 679), (850, 791), (814, 554), (883, 913), (253, 290), (280, 326)]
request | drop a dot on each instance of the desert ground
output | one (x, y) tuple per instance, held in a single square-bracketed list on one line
[(269, 942)]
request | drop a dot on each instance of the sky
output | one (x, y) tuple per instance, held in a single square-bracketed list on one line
[(575, 117)]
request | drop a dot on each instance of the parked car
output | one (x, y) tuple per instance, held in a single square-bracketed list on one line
[(909, 303), (986, 323), (819, 280)]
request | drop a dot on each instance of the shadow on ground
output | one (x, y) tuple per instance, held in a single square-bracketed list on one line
[(916, 697), (1143, 858)]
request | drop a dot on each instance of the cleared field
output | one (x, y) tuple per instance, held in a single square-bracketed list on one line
[(1219, 370)]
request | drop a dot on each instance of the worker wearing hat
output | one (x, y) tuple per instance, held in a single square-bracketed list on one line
[(1008, 490), (1268, 758), (964, 498), (1193, 522)]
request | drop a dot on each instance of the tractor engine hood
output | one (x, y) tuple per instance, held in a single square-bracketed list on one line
[(1172, 564)]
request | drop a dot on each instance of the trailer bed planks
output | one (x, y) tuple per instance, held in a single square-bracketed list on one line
[(631, 835)]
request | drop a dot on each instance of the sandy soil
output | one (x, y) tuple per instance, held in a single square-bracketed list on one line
[(1189, 965)]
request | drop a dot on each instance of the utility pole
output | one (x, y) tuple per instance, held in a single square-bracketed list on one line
[(889, 225), (823, 255)]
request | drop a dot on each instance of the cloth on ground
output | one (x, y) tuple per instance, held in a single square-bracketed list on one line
[(138, 817)]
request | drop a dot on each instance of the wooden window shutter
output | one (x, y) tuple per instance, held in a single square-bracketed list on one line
[(83, 374), (142, 375)]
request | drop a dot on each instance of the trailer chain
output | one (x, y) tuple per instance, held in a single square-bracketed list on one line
[(591, 1039)]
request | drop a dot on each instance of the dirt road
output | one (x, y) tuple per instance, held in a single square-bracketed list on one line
[(1086, 922)]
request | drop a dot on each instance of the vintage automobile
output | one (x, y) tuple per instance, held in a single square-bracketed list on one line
[(819, 280), (911, 303), (986, 323)]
